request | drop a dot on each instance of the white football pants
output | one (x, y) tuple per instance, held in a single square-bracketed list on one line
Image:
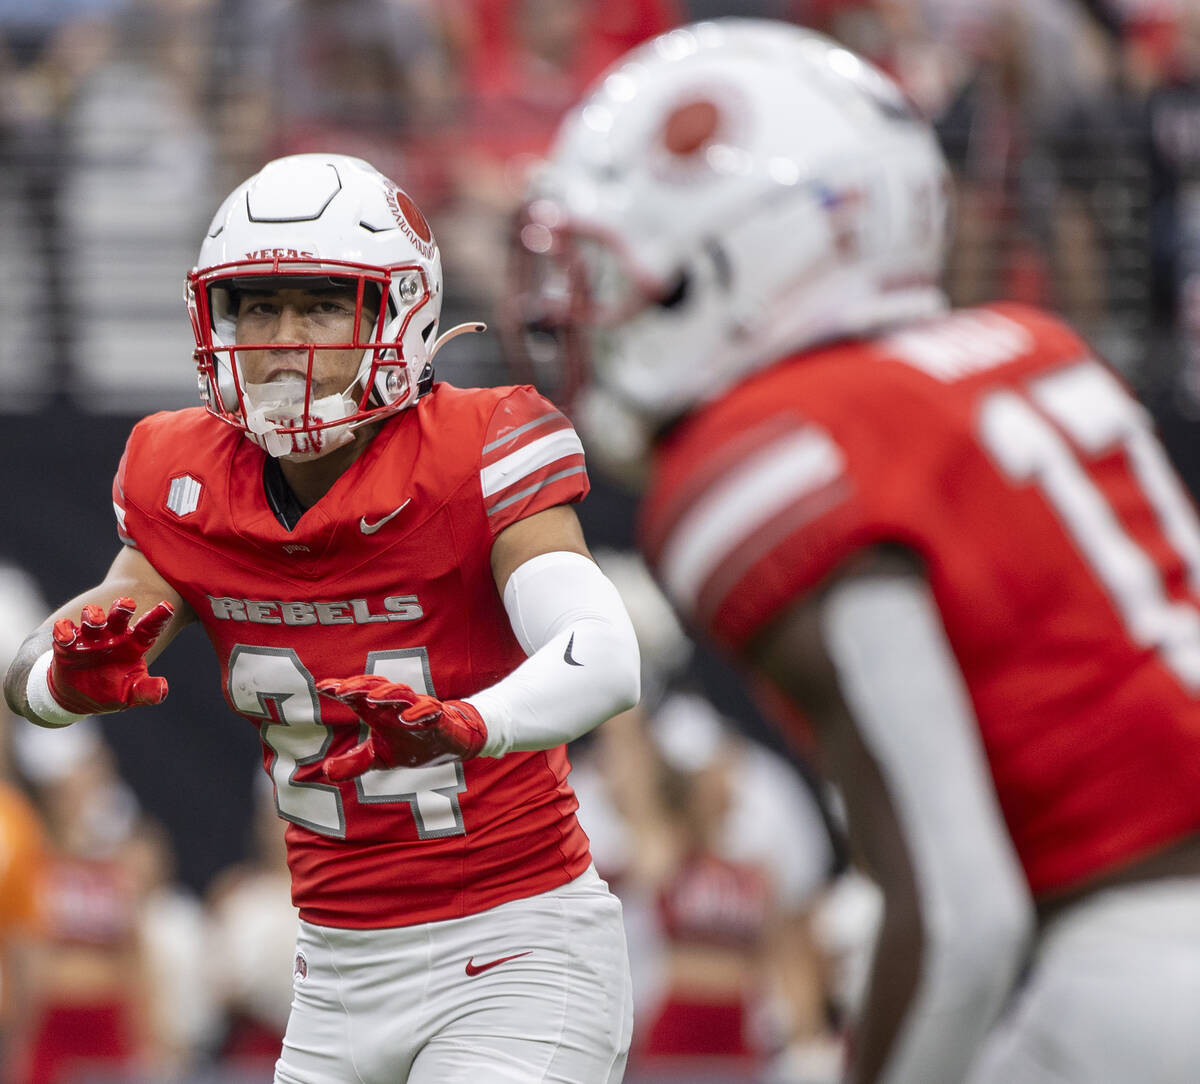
[(533, 990), (1113, 997)]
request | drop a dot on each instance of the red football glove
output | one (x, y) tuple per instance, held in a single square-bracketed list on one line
[(408, 729), (100, 665)]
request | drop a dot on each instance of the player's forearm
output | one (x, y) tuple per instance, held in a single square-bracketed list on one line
[(889, 998), (583, 665), (545, 702), (960, 888), (16, 681), (929, 1012), (119, 582), (93, 666), (38, 642)]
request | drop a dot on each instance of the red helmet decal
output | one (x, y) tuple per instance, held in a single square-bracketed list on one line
[(691, 127), (413, 216)]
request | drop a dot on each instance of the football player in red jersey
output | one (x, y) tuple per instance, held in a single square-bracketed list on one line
[(402, 601), (948, 539)]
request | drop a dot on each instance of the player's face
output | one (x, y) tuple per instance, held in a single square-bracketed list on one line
[(301, 316)]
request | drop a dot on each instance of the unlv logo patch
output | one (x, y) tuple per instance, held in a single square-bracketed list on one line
[(410, 219), (300, 968), (184, 495)]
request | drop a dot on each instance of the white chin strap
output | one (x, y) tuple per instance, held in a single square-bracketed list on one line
[(268, 407)]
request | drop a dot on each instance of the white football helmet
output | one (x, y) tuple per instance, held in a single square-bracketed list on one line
[(318, 218), (729, 192)]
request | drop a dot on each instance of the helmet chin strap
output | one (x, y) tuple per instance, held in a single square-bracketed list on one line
[(281, 403)]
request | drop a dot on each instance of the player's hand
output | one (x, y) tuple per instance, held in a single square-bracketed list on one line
[(99, 665), (408, 729)]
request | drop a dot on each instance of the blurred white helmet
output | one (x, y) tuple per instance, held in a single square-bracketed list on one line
[(318, 218), (729, 192)]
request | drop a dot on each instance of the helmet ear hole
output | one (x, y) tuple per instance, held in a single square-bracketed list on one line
[(678, 292)]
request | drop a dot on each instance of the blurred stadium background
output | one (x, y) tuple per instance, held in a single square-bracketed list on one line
[(1073, 129)]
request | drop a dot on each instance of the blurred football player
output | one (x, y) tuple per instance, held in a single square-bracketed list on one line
[(401, 600), (949, 539)]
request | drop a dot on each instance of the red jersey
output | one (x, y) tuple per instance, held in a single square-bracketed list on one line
[(1061, 549), (388, 573)]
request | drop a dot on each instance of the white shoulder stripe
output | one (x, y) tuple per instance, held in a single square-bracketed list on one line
[(521, 430), (524, 461), (741, 504)]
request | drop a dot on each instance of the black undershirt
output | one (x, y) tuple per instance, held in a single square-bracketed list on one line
[(280, 498), (283, 503)]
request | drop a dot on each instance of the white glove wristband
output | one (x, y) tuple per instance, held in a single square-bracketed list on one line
[(41, 700)]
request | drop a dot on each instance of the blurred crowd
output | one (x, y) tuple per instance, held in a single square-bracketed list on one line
[(1073, 128), (1071, 125)]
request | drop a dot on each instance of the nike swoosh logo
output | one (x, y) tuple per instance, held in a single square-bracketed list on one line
[(478, 969), (567, 657), (371, 528)]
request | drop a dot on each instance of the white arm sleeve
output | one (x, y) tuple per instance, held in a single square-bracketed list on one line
[(583, 664), (902, 683)]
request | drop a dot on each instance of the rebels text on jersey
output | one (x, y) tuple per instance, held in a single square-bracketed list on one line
[(388, 573), (1060, 547)]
